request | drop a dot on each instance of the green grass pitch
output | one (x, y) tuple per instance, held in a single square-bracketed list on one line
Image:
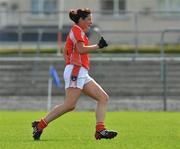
[(75, 130)]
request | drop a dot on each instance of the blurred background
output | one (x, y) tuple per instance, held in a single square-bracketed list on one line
[(139, 70)]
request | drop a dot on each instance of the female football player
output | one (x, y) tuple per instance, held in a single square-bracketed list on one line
[(76, 76)]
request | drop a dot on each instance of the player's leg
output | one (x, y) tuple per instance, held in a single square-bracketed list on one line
[(72, 95), (94, 90)]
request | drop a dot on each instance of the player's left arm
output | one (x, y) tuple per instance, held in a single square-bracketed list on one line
[(82, 48), (86, 49)]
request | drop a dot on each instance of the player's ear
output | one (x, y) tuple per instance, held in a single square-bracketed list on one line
[(80, 19)]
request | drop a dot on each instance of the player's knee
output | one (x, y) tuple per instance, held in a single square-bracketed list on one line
[(70, 107), (105, 98)]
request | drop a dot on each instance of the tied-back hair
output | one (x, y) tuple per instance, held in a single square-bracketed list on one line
[(75, 15)]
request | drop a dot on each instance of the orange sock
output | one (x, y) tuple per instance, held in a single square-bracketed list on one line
[(42, 124), (100, 126)]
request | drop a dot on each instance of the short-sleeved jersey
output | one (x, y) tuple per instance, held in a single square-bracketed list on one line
[(73, 56)]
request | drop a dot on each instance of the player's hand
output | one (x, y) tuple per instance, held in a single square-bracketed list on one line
[(102, 43)]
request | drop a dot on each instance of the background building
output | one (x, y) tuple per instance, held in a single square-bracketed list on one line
[(121, 21)]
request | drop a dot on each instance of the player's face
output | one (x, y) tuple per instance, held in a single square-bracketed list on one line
[(86, 23)]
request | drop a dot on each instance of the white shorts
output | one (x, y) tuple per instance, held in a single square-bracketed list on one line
[(83, 77)]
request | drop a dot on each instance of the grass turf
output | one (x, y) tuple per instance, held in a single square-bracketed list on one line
[(137, 130)]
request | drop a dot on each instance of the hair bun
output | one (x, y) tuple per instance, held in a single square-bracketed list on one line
[(73, 15)]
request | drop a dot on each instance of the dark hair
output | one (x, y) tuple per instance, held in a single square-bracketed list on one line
[(75, 15)]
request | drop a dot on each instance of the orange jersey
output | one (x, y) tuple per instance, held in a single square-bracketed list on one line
[(72, 54)]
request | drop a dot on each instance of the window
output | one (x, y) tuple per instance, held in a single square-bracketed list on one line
[(169, 6), (114, 7), (43, 6), (50, 6), (35, 6)]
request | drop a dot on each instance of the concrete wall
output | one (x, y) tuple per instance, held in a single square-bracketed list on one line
[(133, 85)]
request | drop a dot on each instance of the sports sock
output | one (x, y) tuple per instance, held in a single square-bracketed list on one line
[(100, 126), (42, 124)]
